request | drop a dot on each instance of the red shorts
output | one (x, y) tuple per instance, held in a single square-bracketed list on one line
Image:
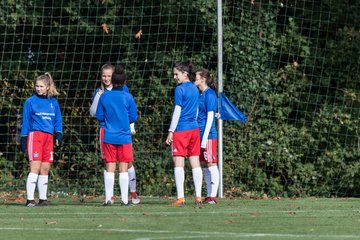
[(40, 146), (118, 153), (186, 143), (101, 141), (209, 154)]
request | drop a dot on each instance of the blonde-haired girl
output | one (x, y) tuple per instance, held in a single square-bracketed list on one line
[(41, 120)]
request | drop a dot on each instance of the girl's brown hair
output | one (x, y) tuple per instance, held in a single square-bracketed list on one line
[(187, 67), (205, 73)]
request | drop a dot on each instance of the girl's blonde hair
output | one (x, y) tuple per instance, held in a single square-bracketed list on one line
[(106, 66), (48, 80)]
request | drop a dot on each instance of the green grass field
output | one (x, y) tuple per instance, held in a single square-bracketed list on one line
[(154, 218)]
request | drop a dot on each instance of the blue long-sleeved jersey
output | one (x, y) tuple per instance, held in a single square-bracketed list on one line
[(117, 109), (95, 101), (41, 113)]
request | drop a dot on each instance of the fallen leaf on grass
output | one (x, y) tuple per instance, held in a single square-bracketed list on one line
[(168, 198), (147, 214), (254, 214), (52, 222), (91, 197), (292, 213), (229, 221), (19, 199)]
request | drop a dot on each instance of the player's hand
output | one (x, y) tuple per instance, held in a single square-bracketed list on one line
[(58, 136), (23, 141), (217, 115), (132, 128), (204, 152), (169, 138)]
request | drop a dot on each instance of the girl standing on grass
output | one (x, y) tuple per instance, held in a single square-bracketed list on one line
[(184, 135), (106, 85), (117, 110), (208, 103), (41, 119)]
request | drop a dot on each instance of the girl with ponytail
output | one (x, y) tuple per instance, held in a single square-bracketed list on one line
[(42, 120), (184, 134)]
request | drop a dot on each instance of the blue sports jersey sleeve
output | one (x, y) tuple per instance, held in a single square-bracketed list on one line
[(132, 109), (58, 118), (100, 115), (26, 118)]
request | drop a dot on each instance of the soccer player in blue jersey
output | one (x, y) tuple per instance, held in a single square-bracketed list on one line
[(208, 103), (41, 119), (184, 134), (117, 109), (106, 85)]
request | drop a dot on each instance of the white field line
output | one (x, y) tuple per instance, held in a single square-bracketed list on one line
[(198, 211), (191, 234)]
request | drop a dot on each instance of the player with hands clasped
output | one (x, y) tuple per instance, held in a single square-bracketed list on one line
[(184, 134), (208, 103), (117, 109), (41, 119), (106, 85)]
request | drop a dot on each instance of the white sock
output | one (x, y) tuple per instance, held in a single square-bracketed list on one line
[(214, 172), (179, 181), (109, 185), (207, 177), (42, 185), (31, 185), (104, 178), (198, 178), (124, 187), (132, 179)]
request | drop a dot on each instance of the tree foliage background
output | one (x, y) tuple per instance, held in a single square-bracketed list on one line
[(292, 66)]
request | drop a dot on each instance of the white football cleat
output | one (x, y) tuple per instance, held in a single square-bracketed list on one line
[(135, 201)]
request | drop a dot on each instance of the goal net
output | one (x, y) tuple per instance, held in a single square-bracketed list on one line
[(291, 66)]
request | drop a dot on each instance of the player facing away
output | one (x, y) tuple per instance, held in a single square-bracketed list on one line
[(41, 119), (184, 134), (106, 85), (208, 103), (117, 109)]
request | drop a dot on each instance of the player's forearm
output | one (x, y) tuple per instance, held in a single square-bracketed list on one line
[(175, 118)]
